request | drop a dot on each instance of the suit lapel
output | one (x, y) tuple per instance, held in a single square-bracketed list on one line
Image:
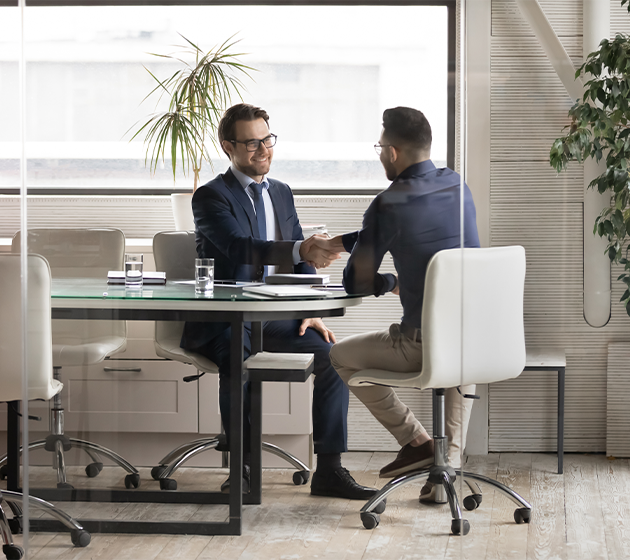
[(243, 199), (280, 209)]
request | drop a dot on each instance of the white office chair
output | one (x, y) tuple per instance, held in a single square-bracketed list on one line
[(41, 384), (175, 253), (83, 253), (472, 332)]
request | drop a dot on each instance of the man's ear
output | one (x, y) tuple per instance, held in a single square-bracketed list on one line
[(394, 154), (228, 148)]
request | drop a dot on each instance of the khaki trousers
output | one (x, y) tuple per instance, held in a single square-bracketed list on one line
[(393, 351)]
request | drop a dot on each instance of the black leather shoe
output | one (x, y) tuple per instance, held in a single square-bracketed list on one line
[(225, 487), (340, 484)]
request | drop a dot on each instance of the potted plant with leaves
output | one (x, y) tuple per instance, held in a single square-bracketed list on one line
[(198, 93), (600, 128)]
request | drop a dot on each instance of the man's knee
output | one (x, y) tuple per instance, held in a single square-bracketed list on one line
[(337, 362)]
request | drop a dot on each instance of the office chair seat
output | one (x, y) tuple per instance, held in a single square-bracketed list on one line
[(175, 254)]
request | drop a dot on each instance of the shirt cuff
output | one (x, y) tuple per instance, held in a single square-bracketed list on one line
[(389, 283), (296, 252)]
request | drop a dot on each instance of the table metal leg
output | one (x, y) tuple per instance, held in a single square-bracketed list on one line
[(255, 390), (560, 420), (13, 446), (236, 426)]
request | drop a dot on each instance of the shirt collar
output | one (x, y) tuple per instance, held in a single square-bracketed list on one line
[(245, 181)]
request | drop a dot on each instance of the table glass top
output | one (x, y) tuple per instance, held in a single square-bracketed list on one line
[(92, 288)]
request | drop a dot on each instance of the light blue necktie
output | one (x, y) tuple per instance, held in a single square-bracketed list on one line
[(261, 217)]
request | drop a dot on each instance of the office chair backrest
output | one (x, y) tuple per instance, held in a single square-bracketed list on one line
[(77, 252), (472, 317), (39, 332), (174, 253), (84, 253)]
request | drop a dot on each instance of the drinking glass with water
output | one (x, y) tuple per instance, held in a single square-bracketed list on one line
[(133, 269), (204, 276)]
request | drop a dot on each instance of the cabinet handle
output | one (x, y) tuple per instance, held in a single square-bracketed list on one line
[(127, 369)]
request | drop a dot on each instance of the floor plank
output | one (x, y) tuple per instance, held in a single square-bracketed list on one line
[(507, 540), (547, 529), (614, 484), (586, 536)]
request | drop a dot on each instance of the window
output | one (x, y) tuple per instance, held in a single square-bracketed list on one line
[(325, 74)]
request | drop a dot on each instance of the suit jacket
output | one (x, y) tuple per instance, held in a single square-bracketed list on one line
[(226, 230)]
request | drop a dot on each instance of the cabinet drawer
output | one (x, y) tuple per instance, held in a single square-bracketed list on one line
[(286, 407), (130, 396)]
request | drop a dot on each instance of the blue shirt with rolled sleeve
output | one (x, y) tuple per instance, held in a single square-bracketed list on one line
[(417, 216)]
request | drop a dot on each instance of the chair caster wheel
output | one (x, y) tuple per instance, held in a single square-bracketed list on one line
[(16, 525), (132, 481), (93, 469), (157, 471), (370, 519), (473, 501), (168, 484), (522, 515), (460, 527), (80, 538), (380, 507), (12, 552), (4, 471), (301, 477), (65, 485)]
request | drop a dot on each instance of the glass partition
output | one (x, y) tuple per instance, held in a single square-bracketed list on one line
[(491, 78)]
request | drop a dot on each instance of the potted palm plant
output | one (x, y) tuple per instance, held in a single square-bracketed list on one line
[(600, 129), (198, 93)]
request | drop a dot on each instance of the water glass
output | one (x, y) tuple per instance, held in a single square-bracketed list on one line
[(204, 276), (133, 269)]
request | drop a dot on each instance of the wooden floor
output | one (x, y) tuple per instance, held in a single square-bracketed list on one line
[(583, 514)]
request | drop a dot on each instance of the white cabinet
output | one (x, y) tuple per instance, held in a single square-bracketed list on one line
[(130, 396)]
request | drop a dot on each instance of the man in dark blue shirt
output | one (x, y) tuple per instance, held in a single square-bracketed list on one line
[(417, 216)]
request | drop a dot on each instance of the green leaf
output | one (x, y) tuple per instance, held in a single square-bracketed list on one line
[(625, 295)]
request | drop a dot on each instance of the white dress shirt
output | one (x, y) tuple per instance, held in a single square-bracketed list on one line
[(273, 230)]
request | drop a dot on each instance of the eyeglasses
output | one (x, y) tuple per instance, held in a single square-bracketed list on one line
[(378, 148), (253, 145)]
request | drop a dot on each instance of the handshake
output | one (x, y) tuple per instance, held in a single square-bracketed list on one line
[(321, 250)]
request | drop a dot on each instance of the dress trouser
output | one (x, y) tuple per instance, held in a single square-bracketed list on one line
[(330, 395), (391, 350)]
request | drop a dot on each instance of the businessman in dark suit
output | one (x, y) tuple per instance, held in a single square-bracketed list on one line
[(248, 224)]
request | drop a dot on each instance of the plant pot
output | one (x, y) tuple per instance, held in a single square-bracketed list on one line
[(182, 211)]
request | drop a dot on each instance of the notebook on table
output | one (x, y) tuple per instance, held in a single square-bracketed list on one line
[(118, 277), (309, 279), (280, 291)]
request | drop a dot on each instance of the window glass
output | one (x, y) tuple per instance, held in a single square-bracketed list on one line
[(325, 74)]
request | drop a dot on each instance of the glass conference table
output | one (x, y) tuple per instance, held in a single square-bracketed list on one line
[(77, 298)]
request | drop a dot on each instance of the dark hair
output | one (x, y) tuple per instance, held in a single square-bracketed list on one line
[(406, 126), (240, 112)]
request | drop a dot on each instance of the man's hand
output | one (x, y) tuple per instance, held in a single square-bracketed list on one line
[(396, 289), (317, 252), (319, 326)]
